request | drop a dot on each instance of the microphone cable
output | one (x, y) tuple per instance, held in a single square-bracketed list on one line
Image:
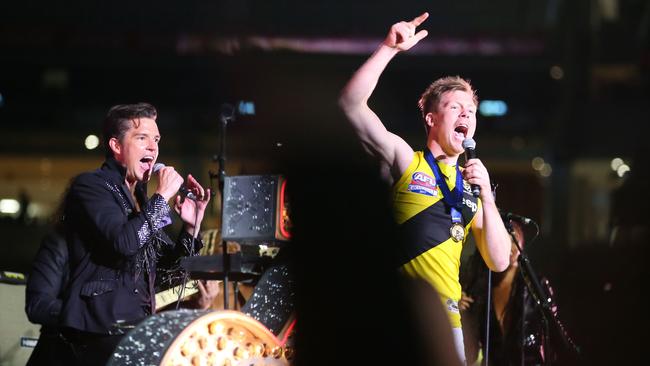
[(186, 274)]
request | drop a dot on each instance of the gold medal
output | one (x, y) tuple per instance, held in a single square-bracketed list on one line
[(457, 232)]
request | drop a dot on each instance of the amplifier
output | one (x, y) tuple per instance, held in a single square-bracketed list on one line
[(255, 209), (18, 336)]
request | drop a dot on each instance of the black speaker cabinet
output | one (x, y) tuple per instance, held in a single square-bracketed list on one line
[(255, 209)]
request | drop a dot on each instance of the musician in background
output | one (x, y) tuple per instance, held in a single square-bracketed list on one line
[(517, 330), (44, 299), (114, 232)]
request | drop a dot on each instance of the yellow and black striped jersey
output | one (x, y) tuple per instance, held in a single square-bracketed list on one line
[(427, 249)]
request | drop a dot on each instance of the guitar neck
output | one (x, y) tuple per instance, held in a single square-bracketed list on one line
[(166, 297)]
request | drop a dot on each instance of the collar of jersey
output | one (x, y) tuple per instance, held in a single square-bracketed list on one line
[(449, 171)]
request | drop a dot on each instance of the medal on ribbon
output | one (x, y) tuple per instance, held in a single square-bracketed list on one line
[(457, 231), (453, 199)]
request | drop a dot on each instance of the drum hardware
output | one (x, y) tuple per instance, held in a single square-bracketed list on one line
[(194, 337)]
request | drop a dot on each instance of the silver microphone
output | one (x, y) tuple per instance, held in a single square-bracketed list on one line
[(183, 191)]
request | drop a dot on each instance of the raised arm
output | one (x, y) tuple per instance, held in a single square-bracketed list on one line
[(380, 143)]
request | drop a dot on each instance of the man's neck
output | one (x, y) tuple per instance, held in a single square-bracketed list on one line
[(131, 186), (440, 155)]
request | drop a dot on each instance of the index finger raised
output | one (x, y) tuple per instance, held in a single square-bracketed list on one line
[(419, 19)]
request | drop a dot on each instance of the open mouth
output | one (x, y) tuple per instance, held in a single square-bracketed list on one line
[(146, 161), (461, 129)]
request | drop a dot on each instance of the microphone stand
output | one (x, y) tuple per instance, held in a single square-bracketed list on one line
[(227, 115), (543, 301), (488, 306), (488, 309)]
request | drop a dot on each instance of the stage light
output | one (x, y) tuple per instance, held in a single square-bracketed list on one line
[(616, 162), (2, 100), (556, 72), (91, 142), (9, 206), (538, 163), (622, 170), (546, 170), (493, 108), (246, 108)]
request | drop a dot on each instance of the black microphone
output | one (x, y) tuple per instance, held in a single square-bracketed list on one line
[(511, 216), (470, 153), (183, 191)]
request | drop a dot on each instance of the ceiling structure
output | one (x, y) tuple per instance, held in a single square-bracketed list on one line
[(62, 66), (574, 74)]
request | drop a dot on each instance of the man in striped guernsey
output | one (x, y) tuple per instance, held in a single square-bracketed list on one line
[(433, 201)]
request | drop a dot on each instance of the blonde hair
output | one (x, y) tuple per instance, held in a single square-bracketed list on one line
[(431, 97)]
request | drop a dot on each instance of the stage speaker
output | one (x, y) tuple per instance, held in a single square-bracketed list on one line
[(255, 209), (18, 336)]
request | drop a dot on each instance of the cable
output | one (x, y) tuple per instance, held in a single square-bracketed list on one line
[(186, 274)]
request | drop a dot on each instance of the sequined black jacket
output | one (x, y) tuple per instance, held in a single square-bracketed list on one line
[(114, 250)]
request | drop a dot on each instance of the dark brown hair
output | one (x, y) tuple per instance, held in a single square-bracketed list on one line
[(121, 118)]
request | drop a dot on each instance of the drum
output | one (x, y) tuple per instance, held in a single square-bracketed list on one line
[(195, 337)]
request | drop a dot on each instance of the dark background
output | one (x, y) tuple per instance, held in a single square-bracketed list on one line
[(62, 65)]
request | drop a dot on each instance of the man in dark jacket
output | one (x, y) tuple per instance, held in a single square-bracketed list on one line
[(115, 237), (43, 300)]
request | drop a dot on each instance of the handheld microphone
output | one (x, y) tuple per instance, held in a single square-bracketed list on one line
[(470, 153), (183, 191)]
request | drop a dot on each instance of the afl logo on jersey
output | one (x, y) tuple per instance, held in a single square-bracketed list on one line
[(423, 184)]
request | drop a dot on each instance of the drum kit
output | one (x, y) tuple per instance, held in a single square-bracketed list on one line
[(195, 337), (262, 289), (251, 336)]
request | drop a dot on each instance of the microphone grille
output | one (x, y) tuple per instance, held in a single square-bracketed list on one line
[(157, 167), (469, 143)]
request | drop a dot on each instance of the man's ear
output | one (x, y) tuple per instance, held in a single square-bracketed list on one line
[(429, 117), (115, 146)]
